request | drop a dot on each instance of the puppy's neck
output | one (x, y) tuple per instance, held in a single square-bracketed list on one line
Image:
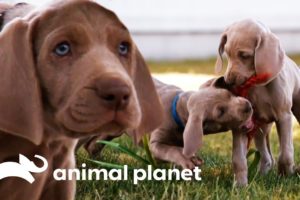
[(181, 108)]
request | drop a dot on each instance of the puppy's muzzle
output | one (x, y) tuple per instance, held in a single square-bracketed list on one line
[(247, 107), (114, 92), (230, 80)]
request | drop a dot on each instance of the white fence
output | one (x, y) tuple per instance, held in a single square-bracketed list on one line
[(190, 29), (198, 45)]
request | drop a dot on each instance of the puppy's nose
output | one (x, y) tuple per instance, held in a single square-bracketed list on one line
[(114, 92), (247, 108)]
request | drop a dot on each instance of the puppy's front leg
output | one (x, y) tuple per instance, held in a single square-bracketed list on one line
[(60, 190), (239, 160), (262, 144), (286, 155), (63, 189)]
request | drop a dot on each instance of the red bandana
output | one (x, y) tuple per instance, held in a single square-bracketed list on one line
[(243, 91)]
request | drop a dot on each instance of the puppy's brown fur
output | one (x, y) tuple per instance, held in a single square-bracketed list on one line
[(49, 99)]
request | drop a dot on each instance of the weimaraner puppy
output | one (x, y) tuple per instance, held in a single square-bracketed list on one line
[(68, 70), (253, 50), (190, 115)]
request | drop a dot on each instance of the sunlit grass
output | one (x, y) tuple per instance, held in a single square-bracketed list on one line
[(190, 66), (217, 178), (193, 66)]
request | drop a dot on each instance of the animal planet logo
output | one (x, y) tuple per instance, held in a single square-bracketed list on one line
[(23, 169)]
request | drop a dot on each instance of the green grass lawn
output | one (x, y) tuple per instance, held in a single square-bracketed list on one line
[(193, 66), (217, 177)]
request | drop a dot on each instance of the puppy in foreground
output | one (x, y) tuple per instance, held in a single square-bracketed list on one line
[(190, 115), (68, 70), (253, 50)]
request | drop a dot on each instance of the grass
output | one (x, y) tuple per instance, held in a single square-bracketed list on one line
[(193, 66), (189, 66), (217, 178)]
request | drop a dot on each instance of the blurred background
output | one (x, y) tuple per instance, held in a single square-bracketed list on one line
[(180, 30), (190, 29), (183, 36)]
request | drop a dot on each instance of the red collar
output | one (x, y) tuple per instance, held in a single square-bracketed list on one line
[(243, 91)]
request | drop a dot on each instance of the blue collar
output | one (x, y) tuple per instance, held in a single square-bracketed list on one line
[(174, 112)]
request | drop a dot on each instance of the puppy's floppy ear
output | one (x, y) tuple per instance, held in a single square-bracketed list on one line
[(151, 107), (219, 62), (208, 83), (220, 83), (217, 83), (192, 135), (20, 102), (269, 55)]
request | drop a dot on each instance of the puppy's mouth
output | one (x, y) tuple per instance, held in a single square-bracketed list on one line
[(82, 124), (238, 81), (112, 129), (87, 113), (247, 126)]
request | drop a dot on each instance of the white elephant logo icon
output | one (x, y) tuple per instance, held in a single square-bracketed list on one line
[(22, 169)]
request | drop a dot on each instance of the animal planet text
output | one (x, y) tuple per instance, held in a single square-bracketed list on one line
[(122, 174)]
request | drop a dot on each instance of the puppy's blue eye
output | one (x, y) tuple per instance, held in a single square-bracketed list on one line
[(62, 49), (124, 48)]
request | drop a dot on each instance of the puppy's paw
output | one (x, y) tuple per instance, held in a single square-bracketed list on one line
[(285, 167), (241, 179), (265, 166), (191, 163), (197, 160)]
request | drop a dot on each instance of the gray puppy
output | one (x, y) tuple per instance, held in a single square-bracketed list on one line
[(190, 115)]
